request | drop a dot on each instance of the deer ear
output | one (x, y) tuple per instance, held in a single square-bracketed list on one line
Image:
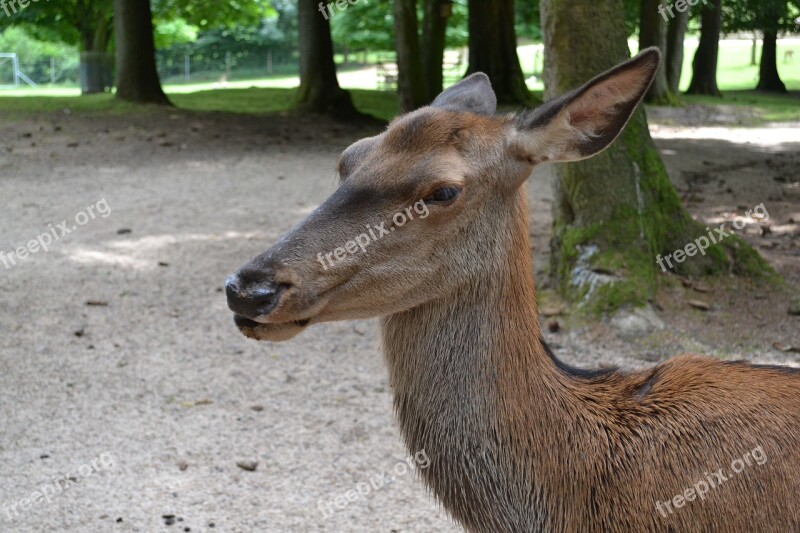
[(584, 122), (473, 94)]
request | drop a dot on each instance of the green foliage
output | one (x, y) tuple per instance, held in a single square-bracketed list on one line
[(174, 32), (247, 44), (370, 26), (208, 14), (74, 22), (364, 26), (758, 15), (34, 55)]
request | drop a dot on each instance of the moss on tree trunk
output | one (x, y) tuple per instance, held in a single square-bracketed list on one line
[(616, 212)]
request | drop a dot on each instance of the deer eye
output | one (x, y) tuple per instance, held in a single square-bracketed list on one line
[(443, 195)]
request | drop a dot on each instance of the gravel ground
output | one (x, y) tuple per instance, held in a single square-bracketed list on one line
[(120, 366)]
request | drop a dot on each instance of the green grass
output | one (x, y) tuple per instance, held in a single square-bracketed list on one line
[(736, 77), (770, 107), (734, 71), (381, 104)]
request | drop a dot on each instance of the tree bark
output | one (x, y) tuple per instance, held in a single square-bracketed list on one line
[(137, 77), (493, 49), (615, 213), (319, 89), (433, 44), (768, 77), (411, 90), (653, 32), (676, 33), (704, 65)]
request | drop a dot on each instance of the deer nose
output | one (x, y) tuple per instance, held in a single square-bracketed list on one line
[(252, 302)]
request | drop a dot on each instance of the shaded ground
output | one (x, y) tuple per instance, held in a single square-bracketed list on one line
[(154, 374)]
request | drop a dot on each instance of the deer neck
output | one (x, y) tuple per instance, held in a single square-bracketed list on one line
[(475, 388)]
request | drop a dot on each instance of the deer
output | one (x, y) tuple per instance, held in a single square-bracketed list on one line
[(518, 440)]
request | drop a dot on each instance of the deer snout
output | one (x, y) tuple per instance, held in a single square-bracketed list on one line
[(253, 299)]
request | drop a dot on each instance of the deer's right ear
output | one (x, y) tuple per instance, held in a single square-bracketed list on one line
[(473, 94), (584, 122)]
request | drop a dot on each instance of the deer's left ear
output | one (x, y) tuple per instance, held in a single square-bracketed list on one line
[(584, 122), (473, 94)]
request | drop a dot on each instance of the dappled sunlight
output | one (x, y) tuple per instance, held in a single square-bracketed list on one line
[(779, 138), (139, 254)]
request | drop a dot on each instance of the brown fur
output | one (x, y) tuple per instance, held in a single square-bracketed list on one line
[(518, 441), (516, 444)]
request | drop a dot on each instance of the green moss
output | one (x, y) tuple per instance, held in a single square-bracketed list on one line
[(630, 233)]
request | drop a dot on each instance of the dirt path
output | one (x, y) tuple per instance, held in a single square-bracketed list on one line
[(117, 347)]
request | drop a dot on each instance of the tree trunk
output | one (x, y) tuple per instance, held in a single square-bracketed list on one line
[(137, 78), (676, 33), (96, 69), (704, 65), (768, 77), (433, 43), (410, 81), (653, 32), (493, 49), (753, 50), (616, 212), (319, 89)]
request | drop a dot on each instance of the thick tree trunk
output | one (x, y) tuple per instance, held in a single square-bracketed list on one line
[(493, 49), (433, 42), (676, 33), (768, 77), (653, 32), (137, 78), (616, 212), (319, 89), (704, 65), (410, 81)]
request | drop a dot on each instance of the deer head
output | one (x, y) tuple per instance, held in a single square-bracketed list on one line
[(422, 209)]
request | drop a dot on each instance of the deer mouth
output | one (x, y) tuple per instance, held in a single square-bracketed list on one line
[(274, 332)]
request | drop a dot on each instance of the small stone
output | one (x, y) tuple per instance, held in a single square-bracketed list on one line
[(553, 326), (247, 464), (636, 322), (257, 408)]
